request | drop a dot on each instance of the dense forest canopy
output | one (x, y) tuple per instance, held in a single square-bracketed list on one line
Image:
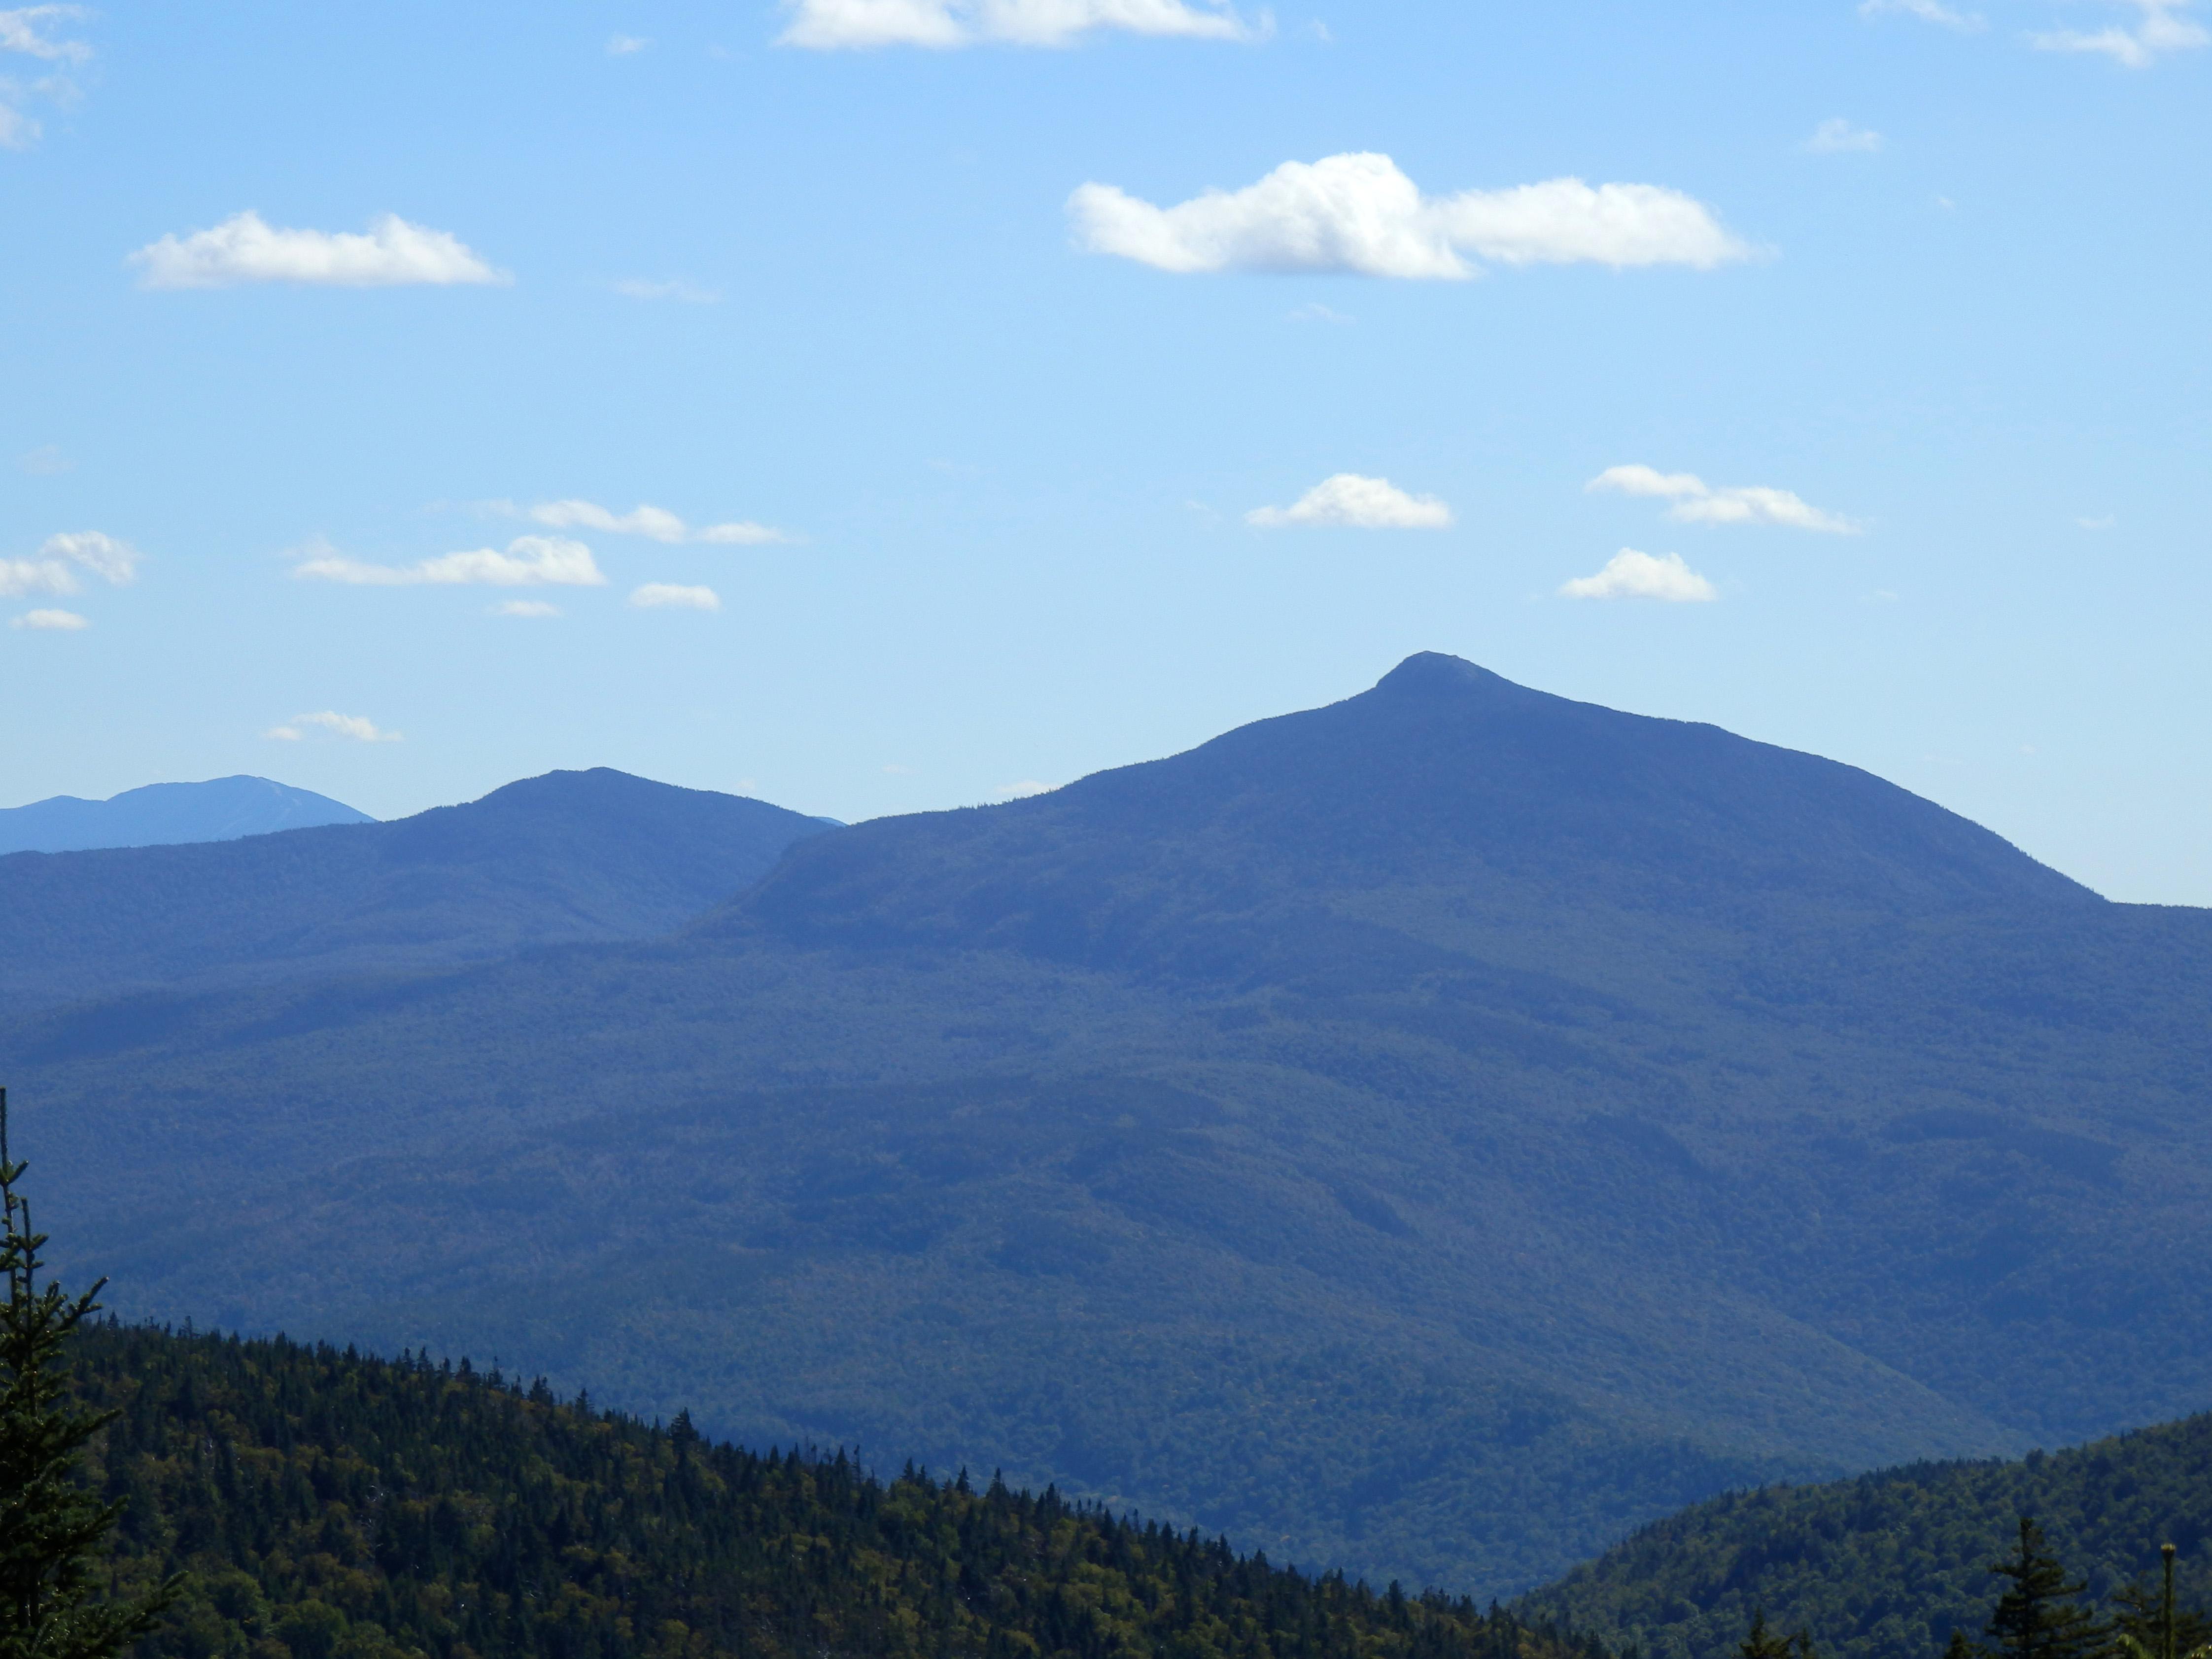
[(1888, 1565), (329, 1506)]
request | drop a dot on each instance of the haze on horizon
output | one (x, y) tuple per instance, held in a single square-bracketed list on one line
[(875, 405)]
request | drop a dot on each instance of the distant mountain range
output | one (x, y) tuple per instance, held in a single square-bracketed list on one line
[(566, 857), (1433, 1135), (166, 814)]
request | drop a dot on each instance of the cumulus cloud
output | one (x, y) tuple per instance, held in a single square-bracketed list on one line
[(656, 523), (358, 728), (246, 249), (1358, 214), (66, 622), (1928, 11), (689, 293), (1347, 500), (61, 562), (673, 596), (2160, 28), (1695, 501), (1629, 574), (833, 24), (1837, 136), (527, 561)]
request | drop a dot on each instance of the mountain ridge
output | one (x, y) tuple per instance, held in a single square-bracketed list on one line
[(167, 814), (1440, 1212)]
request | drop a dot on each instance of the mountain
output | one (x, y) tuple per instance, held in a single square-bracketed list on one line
[(1434, 1134), (319, 1503), (1888, 1565), (568, 856), (163, 814)]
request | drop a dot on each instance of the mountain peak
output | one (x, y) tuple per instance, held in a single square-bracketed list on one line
[(1430, 673)]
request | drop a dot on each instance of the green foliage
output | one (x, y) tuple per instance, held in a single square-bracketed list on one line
[(51, 1528), (2037, 1616), (1890, 1566), (333, 1507)]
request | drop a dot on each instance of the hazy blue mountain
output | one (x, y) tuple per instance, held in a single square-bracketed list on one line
[(164, 814), (568, 856), (1888, 1565), (1435, 1135)]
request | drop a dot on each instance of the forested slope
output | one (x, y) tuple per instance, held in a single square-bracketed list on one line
[(1886, 1565), (328, 1506)]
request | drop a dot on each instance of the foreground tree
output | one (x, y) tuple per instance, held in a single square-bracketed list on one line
[(2038, 1617), (1763, 1642), (2148, 1625), (51, 1528)]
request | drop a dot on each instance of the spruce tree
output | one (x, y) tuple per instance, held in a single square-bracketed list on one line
[(51, 1528), (2147, 1625), (2037, 1616)]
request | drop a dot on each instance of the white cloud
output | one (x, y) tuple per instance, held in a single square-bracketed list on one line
[(355, 726), (657, 523), (626, 45), (58, 621), (2160, 28), (1316, 312), (831, 25), (2106, 521), (1359, 214), (1837, 136), (1350, 501), (524, 608), (1695, 501), (1024, 790), (673, 596), (1629, 574), (246, 249), (60, 562), (528, 562), (27, 29), (30, 30), (45, 461), (638, 287), (1928, 11)]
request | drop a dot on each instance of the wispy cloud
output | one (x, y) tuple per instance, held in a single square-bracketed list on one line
[(1348, 500), (673, 596), (1358, 214), (836, 25), (2161, 27), (524, 608), (1024, 790), (45, 461), (1629, 574), (1837, 136), (656, 523), (244, 248), (358, 728), (31, 31), (689, 293), (59, 622), (527, 561), (1928, 11), (62, 563), (1695, 501), (626, 45)]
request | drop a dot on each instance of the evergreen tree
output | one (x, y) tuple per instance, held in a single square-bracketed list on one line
[(1763, 1642), (2037, 1616), (50, 1527), (2147, 1625)]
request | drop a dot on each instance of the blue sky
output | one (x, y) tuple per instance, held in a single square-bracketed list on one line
[(1005, 452)]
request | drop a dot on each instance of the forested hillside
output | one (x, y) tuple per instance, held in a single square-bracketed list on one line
[(328, 1506), (1434, 1134), (1886, 1565)]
